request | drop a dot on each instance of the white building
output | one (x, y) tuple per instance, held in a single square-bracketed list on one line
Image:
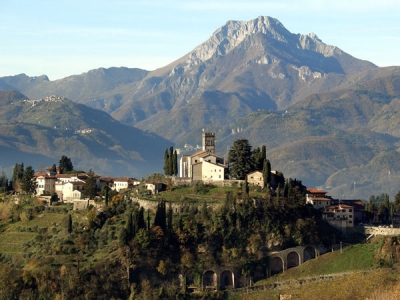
[(203, 165)]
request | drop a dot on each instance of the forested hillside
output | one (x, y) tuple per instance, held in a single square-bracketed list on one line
[(125, 250)]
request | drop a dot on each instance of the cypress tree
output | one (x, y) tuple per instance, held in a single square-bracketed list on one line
[(148, 220), (141, 224), (175, 163), (265, 174), (169, 217), (166, 162), (106, 196), (263, 152), (129, 227), (160, 218), (69, 223), (246, 186), (18, 172), (268, 173), (171, 161)]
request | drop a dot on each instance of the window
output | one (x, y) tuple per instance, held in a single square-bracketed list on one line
[(350, 210), (350, 216)]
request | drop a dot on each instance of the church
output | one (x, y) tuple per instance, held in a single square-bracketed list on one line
[(204, 165)]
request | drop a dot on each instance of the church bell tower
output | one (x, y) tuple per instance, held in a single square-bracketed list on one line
[(209, 141)]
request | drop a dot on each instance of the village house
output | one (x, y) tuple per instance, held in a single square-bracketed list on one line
[(45, 184), (154, 188), (317, 198), (256, 178), (123, 183), (358, 206), (340, 216), (67, 186)]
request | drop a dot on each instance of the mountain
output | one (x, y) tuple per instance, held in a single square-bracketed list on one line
[(39, 132), (326, 117), (345, 141)]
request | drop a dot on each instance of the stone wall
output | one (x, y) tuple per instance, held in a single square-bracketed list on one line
[(379, 230), (176, 207)]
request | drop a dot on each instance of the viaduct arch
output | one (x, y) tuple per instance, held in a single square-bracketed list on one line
[(291, 257)]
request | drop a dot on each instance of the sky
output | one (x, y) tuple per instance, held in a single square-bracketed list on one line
[(63, 38)]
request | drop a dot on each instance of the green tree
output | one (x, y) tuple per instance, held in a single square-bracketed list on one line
[(396, 202), (160, 217), (175, 163), (155, 178), (69, 223), (3, 181), (18, 172), (171, 161), (246, 187), (27, 182), (257, 158), (65, 164), (166, 163), (90, 185), (240, 159), (268, 173)]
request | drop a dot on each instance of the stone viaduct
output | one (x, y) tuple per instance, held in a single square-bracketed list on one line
[(223, 278), (291, 257)]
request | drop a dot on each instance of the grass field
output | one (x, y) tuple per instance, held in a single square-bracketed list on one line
[(208, 194), (358, 276), (12, 239)]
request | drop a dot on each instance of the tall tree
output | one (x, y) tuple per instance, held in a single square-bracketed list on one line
[(160, 217), (171, 161), (3, 180), (90, 185), (396, 202), (141, 224), (18, 172), (268, 173), (166, 163), (263, 152), (106, 194), (259, 155), (175, 164), (27, 183), (69, 223), (240, 159), (265, 173), (65, 164)]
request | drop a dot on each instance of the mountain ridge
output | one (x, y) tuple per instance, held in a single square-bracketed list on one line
[(254, 79), (54, 126)]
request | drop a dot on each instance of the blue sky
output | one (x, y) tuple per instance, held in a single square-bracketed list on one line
[(62, 38)]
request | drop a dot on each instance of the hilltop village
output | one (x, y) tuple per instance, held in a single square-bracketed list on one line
[(216, 227), (203, 166)]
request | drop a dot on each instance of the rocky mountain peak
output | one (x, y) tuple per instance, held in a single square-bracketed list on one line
[(229, 36)]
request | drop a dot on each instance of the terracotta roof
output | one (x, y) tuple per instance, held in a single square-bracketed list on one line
[(321, 199), (315, 191), (219, 165)]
